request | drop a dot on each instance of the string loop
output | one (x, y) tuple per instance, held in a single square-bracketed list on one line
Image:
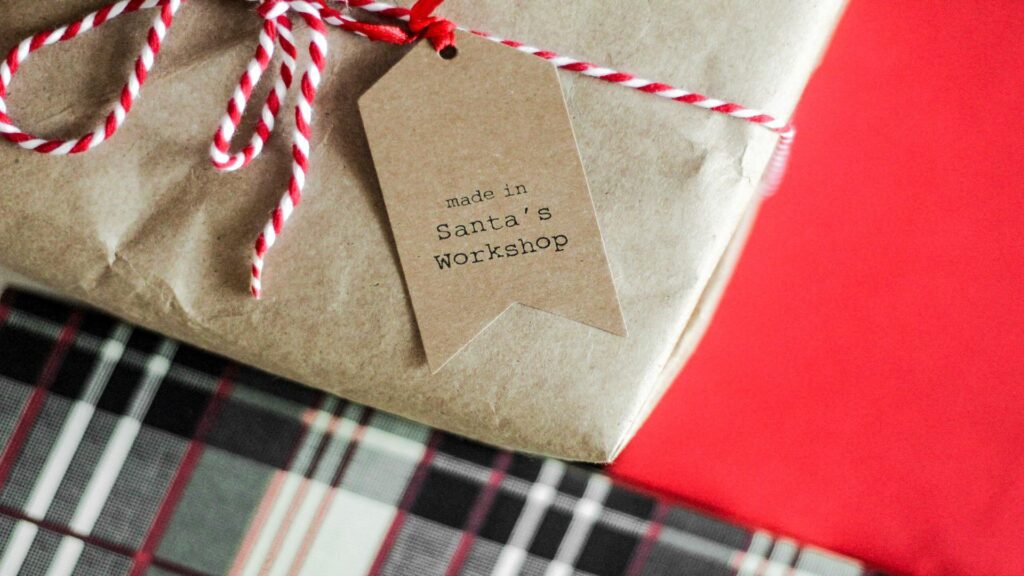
[(129, 92)]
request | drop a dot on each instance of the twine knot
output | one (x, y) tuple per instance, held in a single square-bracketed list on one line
[(423, 23)]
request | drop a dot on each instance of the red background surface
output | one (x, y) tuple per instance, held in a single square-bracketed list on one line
[(862, 386)]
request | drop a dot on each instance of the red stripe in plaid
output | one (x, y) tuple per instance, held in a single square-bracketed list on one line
[(304, 486), (408, 498), (144, 557), (6, 301), (643, 548), (325, 503), (479, 512), (100, 543), (62, 530), (35, 402), (273, 490)]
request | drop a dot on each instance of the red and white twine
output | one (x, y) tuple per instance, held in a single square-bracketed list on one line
[(130, 91), (277, 31), (300, 134)]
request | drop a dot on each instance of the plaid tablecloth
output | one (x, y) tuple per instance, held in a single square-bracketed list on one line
[(123, 452)]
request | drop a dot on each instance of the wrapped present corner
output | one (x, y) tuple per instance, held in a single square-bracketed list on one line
[(144, 228)]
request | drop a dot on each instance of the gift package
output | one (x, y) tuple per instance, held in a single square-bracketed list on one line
[(548, 351)]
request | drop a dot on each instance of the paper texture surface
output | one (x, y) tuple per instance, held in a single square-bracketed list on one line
[(485, 193), (145, 228)]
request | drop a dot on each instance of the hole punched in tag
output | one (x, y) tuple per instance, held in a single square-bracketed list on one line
[(449, 52)]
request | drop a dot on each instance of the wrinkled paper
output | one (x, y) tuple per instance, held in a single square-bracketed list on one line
[(145, 228)]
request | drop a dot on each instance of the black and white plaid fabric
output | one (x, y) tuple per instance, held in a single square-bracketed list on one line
[(123, 452)]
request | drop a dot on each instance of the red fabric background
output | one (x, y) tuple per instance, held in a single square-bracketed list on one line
[(862, 386)]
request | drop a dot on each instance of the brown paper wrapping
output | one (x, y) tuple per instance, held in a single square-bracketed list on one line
[(144, 228)]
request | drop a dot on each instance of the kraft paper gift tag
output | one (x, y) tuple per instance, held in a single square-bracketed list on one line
[(485, 193), (144, 228)]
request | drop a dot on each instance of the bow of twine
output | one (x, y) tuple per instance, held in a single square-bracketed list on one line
[(420, 22)]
